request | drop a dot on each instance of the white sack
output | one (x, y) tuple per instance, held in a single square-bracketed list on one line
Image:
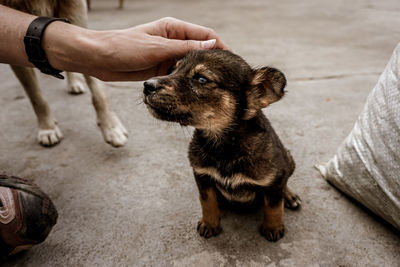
[(367, 164)]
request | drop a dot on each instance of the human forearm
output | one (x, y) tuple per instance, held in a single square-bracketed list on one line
[(66, 46), (12, 31)]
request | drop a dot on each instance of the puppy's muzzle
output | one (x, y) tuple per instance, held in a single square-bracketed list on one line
[(151, 86)]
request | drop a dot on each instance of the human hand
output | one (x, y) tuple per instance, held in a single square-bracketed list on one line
[(150, 49), (137, 53)]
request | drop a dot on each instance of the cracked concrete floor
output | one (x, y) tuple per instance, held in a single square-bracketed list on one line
[(138, 205)]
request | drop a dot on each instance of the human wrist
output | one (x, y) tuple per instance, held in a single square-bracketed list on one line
[(33, 45), (69, 47)]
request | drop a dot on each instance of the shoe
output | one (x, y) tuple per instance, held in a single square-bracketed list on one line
[(27, 215)]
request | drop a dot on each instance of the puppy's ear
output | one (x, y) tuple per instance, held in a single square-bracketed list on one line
[(266, 88)]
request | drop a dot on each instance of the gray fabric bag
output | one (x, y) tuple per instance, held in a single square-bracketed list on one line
[(366, 166)]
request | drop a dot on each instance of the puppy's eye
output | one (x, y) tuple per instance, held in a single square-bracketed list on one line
[(200, 79)]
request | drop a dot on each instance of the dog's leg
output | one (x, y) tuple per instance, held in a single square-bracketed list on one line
[(121, 4), (75, 84), (272, 227), (292, 200), (209, 225), (49, 133), (113, 130), (76, 12)]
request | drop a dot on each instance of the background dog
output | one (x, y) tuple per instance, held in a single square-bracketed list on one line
[(75, 11), (120, 2), (235, 153)]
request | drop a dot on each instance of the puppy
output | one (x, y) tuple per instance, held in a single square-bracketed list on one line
[(235, 153), (75, 11)]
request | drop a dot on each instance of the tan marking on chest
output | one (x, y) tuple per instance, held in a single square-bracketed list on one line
[(244, 197), (235, 180)]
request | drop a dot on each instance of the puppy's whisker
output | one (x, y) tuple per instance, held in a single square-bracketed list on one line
[(139, 101)]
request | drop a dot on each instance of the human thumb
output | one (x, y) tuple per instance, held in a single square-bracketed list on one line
[(209, 44), (197, 45)]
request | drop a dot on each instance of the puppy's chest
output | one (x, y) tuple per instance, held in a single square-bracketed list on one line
[(239, 194), (232, 178), (237, 171)]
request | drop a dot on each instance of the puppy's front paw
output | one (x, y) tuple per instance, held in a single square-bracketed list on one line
[(114, 132), (50, 137), (206, 230), (272, 234)]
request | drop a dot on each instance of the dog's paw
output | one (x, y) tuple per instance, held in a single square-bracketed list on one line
[(292, 200), (272, 234), (208, 231), (116, 136), (50, 137), (76, 87), (113, 130)]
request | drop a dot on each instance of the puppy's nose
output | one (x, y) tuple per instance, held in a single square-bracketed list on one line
[(150, 86)]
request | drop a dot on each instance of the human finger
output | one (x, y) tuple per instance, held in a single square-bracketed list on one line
[(172, 28)]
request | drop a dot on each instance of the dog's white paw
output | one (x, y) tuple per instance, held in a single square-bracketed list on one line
[(76, 87), (113, 130), (50, 137)]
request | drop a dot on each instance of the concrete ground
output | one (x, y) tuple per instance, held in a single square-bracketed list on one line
[(138, 205)]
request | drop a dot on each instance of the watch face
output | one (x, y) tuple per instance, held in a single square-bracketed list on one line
[(7, 205)]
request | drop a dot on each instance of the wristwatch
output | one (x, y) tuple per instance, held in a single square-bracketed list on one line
[(33, 45)]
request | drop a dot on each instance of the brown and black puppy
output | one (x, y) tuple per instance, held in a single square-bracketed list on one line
[(235, 153)]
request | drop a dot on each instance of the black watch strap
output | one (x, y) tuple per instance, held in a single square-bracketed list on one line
[(33, 45)]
